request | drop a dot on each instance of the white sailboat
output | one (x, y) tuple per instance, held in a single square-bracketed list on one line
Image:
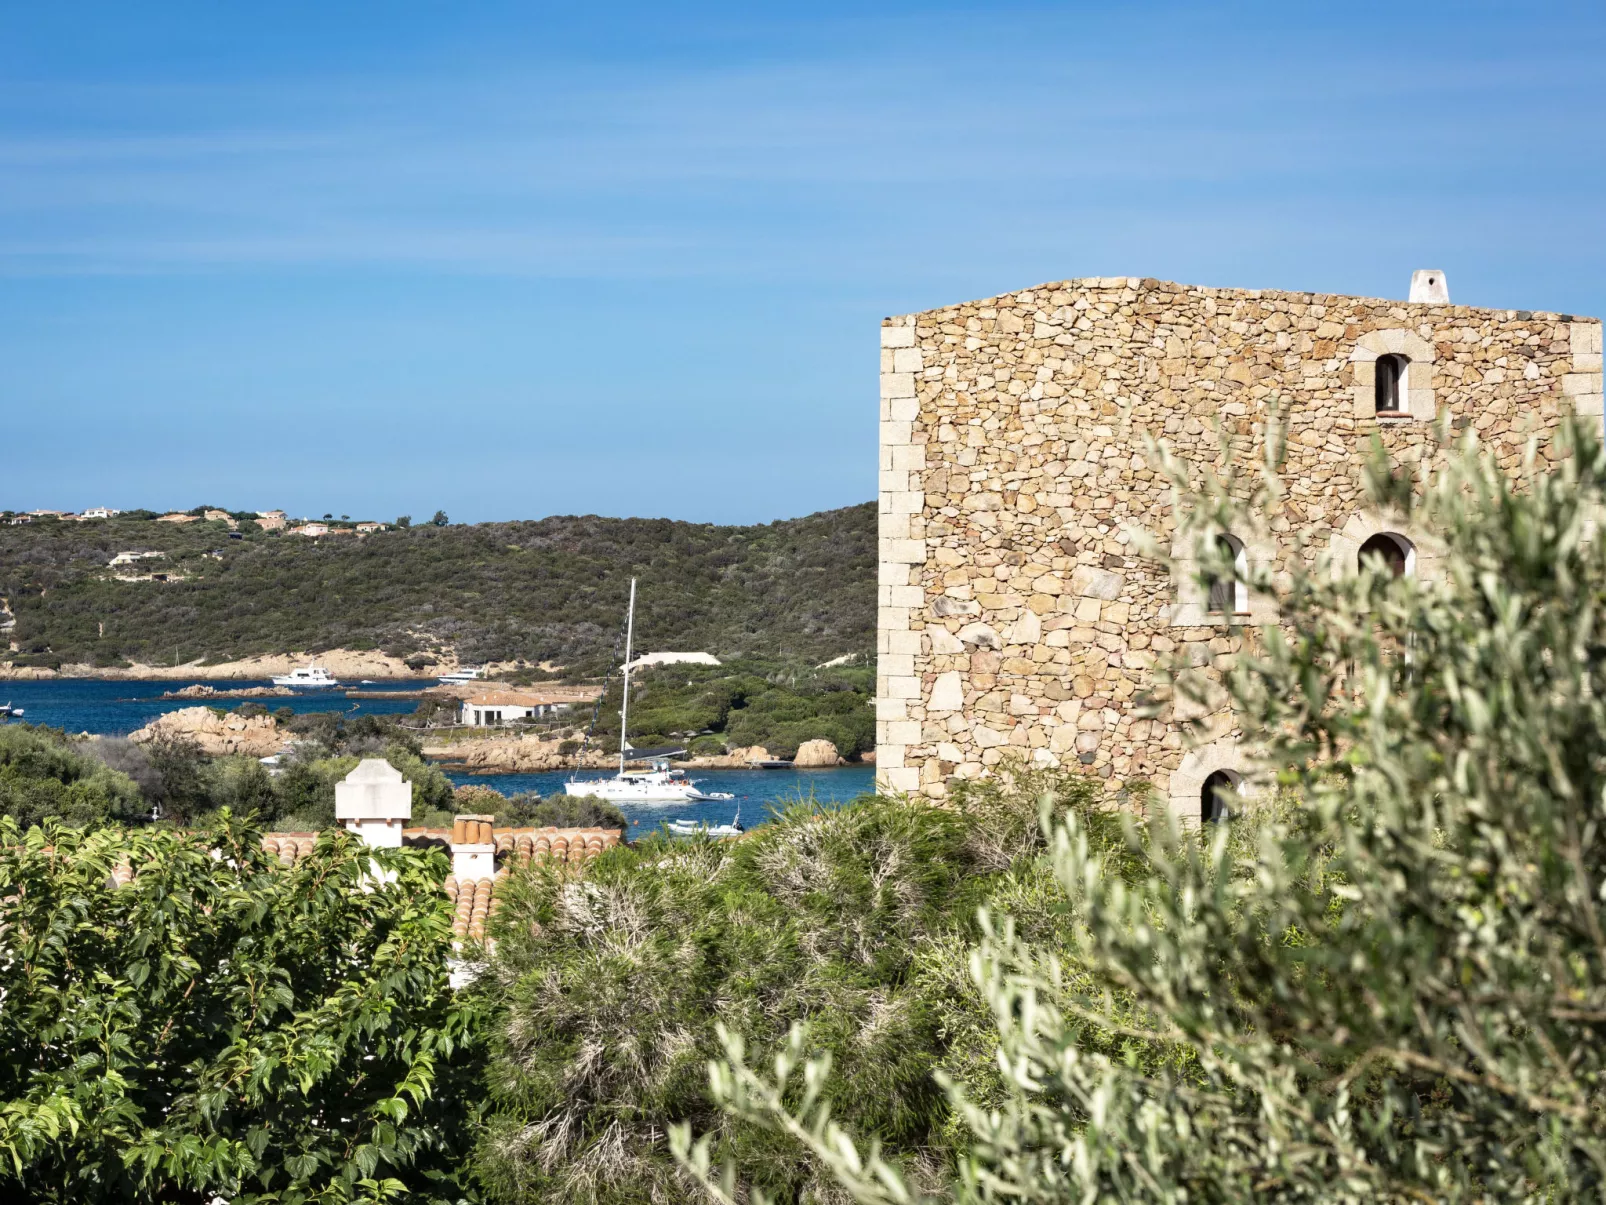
[(659, 784)]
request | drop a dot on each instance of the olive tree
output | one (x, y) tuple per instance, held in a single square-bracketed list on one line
[(1387, 981)]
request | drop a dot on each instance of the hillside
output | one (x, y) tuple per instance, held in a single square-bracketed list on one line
[(547, 590)]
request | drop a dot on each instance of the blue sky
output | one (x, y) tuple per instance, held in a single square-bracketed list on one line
[(513, 260)]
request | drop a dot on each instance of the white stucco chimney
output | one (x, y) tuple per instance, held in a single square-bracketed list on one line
[(375, 802), (1429, 285)]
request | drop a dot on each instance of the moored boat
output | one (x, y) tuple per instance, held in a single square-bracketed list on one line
[(659, 784), (308, 677)]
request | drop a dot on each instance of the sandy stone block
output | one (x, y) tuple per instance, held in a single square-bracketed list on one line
[(907, 359), (894, 433), (895, 665), (910, 552), (1586, 361), (1095, 583), (898, 384), (909, 458), (904, 409), (908, 502), (1587, 405), (902, 642), (943, 642), (1577, 384), (903, 732), (947, 693), (906, 596), (1585, 338), (898, 778), (897, 336), (892, 574), (902, 687), (894, 526)]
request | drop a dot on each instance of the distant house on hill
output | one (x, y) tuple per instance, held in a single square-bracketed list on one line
[(310, 529), (99, 512), (647, 659), (364, 528), (271, 520), (52, 514), (177, 517)]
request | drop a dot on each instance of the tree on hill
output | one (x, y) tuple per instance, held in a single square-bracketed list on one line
[(1386, 981)]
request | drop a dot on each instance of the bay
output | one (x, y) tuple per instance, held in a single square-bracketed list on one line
[(759, 793), (116, 708)]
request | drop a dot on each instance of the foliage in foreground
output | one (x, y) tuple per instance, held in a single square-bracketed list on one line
[(1393, 988), (225, 1026), (614, 986)]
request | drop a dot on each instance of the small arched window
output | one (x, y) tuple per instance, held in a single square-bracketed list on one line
[(1389, 383), (1217, 796), (1230, 595), (1395, 552)]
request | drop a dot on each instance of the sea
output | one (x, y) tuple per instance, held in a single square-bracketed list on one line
[(116, 708)]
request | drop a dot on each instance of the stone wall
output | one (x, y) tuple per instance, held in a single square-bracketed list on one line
[(1015, 614)]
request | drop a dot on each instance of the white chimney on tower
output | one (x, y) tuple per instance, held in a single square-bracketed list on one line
[(1428, 284), (375, 802)]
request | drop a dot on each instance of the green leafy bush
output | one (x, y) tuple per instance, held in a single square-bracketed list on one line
[(46, 774), (223, 1026)]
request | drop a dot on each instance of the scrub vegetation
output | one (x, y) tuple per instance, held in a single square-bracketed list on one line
[(1383, 979), (552, 591)]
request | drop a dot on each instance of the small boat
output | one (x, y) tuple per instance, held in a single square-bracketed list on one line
[(659, 784), (9, 712), (308, 677), (701, 828), (459, 677)]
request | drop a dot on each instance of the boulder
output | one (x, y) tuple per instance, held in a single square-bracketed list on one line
[(814, 754), (254, 736)]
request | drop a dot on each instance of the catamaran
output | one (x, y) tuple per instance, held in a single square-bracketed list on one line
[(659, 784), (308, 677)]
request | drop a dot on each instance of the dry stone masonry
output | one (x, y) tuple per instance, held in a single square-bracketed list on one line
[(1016, 615)]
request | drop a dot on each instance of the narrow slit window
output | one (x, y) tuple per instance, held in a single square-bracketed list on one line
[(1390, 383), (1228, 594)]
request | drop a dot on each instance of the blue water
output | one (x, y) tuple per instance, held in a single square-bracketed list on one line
[(758, 792), (117, 708)]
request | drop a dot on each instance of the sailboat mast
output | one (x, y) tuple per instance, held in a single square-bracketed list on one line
[(624, 709)]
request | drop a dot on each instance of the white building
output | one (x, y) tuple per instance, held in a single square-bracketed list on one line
[(100, 512), (647, 659), (504, 706)]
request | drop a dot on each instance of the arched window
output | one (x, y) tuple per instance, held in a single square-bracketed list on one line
[(1395, 552), (1229, 595), (1217, 796), (1389, 383)]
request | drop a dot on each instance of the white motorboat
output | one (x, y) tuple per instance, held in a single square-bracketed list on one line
[(701, 828), (459, 677), (308, 677), (7, 711), (659, 784)]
